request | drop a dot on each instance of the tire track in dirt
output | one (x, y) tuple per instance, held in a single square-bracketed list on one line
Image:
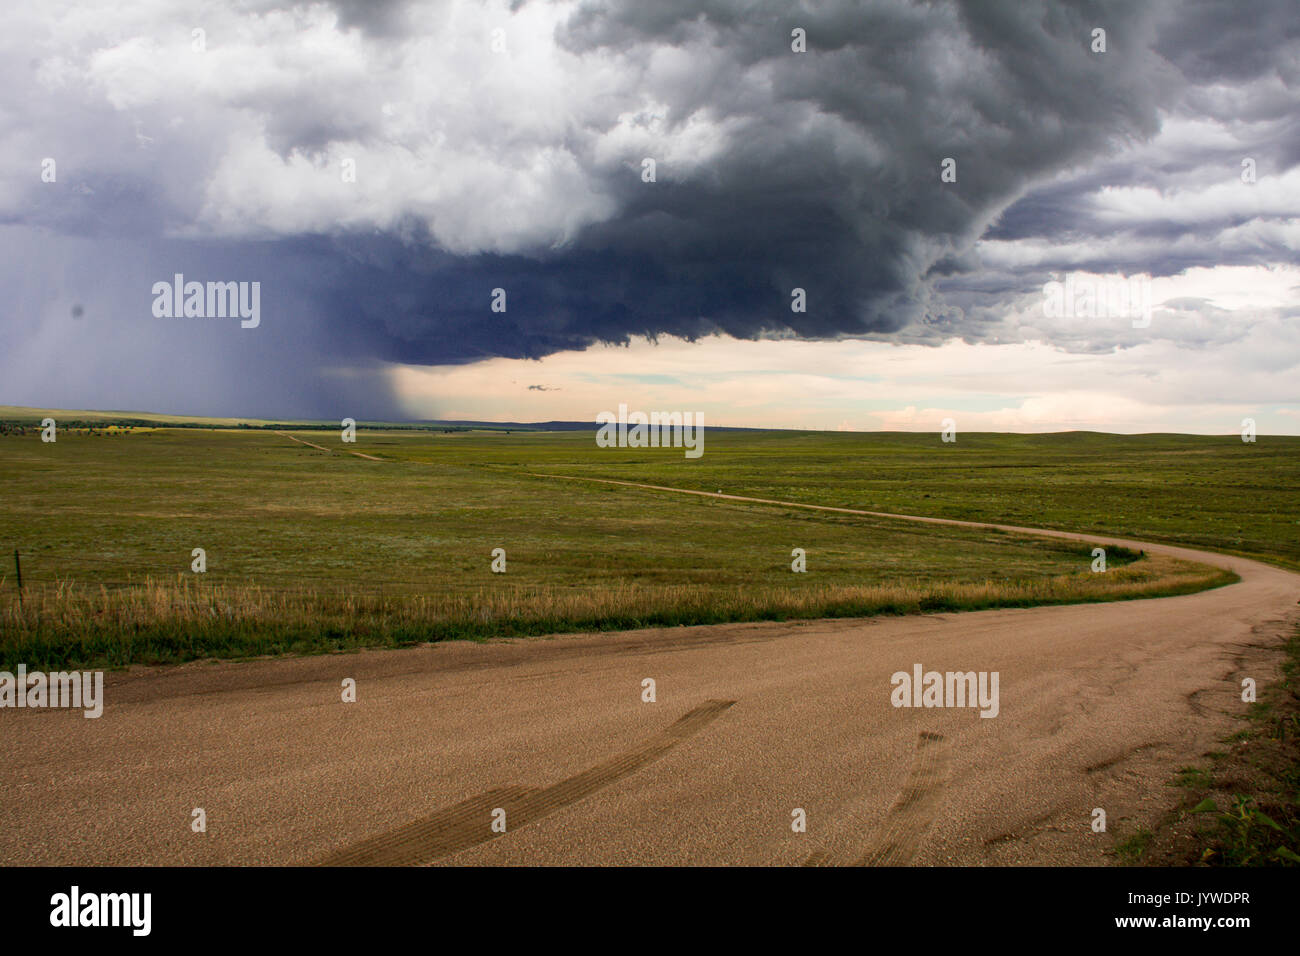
[(468, 823), (1110, 762), (908, 818), (914, 810)]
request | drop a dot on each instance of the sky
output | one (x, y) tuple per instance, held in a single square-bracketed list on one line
[(1023, 216)]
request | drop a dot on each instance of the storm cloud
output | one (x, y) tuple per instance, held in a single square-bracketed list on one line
[(382, 168)]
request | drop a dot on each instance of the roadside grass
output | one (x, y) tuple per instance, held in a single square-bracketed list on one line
[(1131, 848), (69, 625), (1257, 822), (1243, 809)]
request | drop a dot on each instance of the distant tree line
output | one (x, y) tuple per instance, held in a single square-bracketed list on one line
[(98, 426)]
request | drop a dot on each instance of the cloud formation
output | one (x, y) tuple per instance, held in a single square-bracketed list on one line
[(382, 167)]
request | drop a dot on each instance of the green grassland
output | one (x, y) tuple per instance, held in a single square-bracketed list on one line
[(311, 550), (1216, 492)]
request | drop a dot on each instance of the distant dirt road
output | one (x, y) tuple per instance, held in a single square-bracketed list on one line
[(1099, 705), (312, 444)]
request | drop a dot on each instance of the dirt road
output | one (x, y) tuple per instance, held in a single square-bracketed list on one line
[(1099, 705), (312, 444)]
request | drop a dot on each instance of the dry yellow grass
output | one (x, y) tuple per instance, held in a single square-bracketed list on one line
[(67, 623)]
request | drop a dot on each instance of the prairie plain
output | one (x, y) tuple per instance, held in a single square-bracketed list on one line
[(310, 550)]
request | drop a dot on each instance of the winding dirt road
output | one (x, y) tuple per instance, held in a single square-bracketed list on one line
[(1099, 705)]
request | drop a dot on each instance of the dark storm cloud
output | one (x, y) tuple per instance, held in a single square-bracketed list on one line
[(776, 170), (1209, 40), (829, 182), (1239, 68), (379, 18)]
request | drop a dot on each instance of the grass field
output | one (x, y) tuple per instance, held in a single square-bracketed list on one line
[(1216, 492), (312, 550)]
